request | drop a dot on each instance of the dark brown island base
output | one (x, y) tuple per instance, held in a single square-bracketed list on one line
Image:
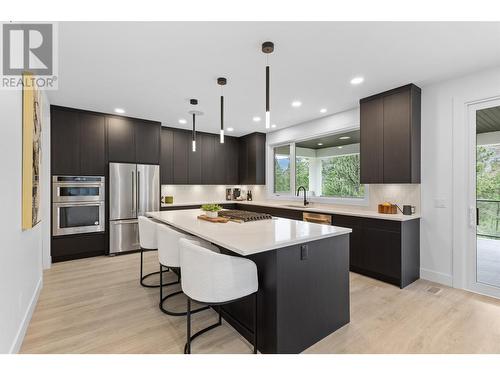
[(303, 272)]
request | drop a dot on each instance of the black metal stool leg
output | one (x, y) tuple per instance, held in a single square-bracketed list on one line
[(190, 338), (144, 277), (180, 313), (161, 282), (164, 299), (255, 327), (142, 261), (187, 349)]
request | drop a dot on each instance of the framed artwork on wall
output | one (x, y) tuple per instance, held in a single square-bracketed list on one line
[(32, 129)]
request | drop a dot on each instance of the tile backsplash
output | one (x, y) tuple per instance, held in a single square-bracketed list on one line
[(395, 193), (207, 193)]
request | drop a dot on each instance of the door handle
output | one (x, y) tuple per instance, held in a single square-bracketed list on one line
[(477, 216), (138, 192), (133, 192), (473, 217)]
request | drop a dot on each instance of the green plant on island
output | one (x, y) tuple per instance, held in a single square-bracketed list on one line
[(211, 207)]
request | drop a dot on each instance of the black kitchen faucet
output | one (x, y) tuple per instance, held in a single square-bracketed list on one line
[(305, 194)]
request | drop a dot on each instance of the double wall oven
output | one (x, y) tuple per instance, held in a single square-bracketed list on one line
[(78, 204)]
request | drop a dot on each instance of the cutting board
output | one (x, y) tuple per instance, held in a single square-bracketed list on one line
[(213, 219)]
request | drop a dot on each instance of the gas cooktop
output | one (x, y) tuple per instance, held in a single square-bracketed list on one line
[(244, 216)]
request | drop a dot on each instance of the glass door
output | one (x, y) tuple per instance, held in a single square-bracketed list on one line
[(487, 186)]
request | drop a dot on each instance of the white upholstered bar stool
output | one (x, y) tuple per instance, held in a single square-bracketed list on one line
[(215, 279), (148, 242), (168, 257)]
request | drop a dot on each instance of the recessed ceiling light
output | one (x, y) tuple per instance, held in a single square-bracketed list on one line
[(357, 80), (339, 147), (322, 110), (296, 103), (320, 144), (119, 110), (256, 119), (182, 121), (345, 137), (230, 129), (273, 125)]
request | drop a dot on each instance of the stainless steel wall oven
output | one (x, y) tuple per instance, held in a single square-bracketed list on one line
[(78, 204)]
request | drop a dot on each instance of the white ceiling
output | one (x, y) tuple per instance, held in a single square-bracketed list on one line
[(152, 69)]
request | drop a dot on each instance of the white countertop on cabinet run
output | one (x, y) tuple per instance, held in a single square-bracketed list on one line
[(251, 237), (313, 207)]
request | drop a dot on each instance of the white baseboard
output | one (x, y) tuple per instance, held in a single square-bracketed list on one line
[(437, 277), (18, 341)]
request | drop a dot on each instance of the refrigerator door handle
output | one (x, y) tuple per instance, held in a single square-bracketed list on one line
[(139, 212), (133, 193)]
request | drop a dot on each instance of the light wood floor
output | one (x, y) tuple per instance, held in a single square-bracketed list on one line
[(96, 305)]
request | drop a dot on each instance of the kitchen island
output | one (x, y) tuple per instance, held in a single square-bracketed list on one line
[(303, 271)]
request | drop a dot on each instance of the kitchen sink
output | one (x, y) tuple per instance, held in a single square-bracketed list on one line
[(297, 205)]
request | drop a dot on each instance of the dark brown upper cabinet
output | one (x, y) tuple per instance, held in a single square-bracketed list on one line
[(231, 161), (208, 166), (92, 144), (78, 145), (390, 136), (213, 163), (194, 161), (147, 142), (121, 139), (167, 156), (371, 150), (133, 141), (221, 153), (65, 143), (181, 148), (252, 163)]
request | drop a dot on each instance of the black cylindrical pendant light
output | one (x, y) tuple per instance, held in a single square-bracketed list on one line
[(267, 48), (194, 114), (221, 81), (194, 132)]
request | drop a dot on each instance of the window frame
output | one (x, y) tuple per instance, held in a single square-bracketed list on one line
[(291, 195), (291, 166)]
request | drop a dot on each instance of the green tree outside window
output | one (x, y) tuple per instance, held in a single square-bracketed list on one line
[(340, 177)]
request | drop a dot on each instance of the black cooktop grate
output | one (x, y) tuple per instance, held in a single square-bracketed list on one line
[(244, 216)]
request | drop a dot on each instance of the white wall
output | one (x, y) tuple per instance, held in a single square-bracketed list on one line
[(444, 179), (20, 252)]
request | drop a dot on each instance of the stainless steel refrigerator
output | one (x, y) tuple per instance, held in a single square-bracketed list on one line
[(134, 189)]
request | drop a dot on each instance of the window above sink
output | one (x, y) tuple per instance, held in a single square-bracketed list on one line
[(327, 166)]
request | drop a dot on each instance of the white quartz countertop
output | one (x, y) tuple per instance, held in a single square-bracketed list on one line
[(251, 237), (313, 207)]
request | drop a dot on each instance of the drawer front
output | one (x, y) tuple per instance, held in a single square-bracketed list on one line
[(123, 236)]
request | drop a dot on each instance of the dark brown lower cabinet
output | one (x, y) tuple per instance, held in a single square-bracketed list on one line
[(77, 246), (386, 250)]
